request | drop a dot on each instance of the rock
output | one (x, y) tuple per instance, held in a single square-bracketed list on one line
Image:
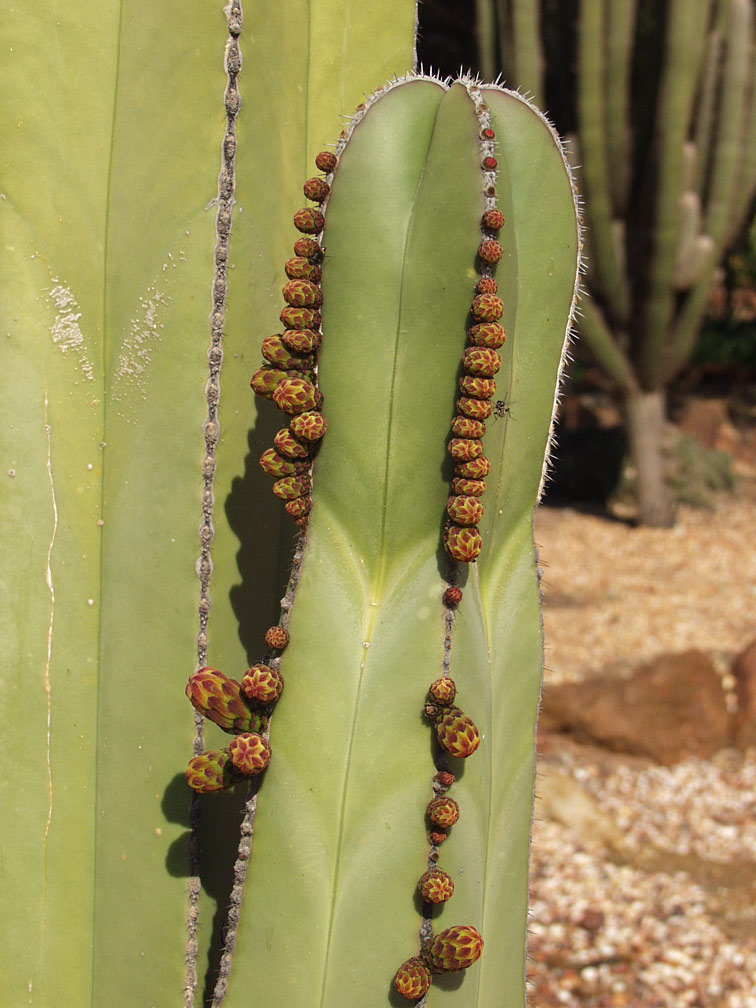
[(592, 919), (744, 721), (708, 421), (669, 709), (560, 798)]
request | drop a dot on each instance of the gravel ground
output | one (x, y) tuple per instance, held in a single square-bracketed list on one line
[(643, 878)]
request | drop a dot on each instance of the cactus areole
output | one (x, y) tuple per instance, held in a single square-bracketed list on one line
[(440, 259)]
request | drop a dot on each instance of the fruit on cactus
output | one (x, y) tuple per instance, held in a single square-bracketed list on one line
[(443, 691), (475, 469), (465, 510), (493, 220), (308, 426), (290, 487), (454, 949), (444, 780), (463, 543), (466, 427), (294, 395), (436, 886), (481, 361), (276, 465), (443, 811), (316, 189), (278, 354), (309, 221), (301, 341), (220, 699), (487, 308), (249, 753), (309, 248), (474, 387), (262, 683), (456, 733), (299, 507), (286, 444), (490, 251), (467, 487), (302, 267), (265, 380), (413, 978), (300, 318), (326, 161), (477, 409), (487, 334), (302, 293), (277, 637), (452, 596), (212, 770)]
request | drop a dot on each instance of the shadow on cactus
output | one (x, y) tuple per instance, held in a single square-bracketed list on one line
[(435, 274)]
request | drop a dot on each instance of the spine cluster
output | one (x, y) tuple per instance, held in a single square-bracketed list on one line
[(288, 375)]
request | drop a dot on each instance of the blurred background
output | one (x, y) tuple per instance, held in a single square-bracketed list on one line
[(644, 856)]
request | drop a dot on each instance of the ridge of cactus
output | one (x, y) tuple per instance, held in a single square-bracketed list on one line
[(302, 374)]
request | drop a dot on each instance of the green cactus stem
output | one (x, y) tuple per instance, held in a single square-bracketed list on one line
[(339, 829), (114, 117)]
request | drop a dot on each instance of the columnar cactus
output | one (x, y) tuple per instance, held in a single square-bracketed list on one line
[(665, 108), (416, 561), (347, 821), (112, 122)]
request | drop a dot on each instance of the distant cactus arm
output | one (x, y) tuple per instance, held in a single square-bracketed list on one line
[(704, 124), (734, 160), (602, 341), (684, 46), (620, 21), (592, 113), (485, 15), (745, 186), (731, 120), (529, 64)]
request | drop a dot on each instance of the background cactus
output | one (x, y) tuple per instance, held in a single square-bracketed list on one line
[(343, 844), (663, 104)]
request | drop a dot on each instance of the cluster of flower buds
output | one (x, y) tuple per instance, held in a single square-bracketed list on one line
[(481, 362), (288, 375), (451, 950), (460, 946), (243, 710), (456, 732)]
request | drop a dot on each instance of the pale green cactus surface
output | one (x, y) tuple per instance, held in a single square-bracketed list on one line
[(111, 118), (106, 295), (340, 840)]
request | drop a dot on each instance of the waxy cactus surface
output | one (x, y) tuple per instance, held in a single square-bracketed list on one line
[(343, 804), (113, 115)]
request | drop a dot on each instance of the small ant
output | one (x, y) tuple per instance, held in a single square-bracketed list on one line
[(501, 410)]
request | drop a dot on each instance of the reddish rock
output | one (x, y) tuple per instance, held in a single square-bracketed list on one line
[(592, 919), (708, 421), (744, 721), (669, 709)]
